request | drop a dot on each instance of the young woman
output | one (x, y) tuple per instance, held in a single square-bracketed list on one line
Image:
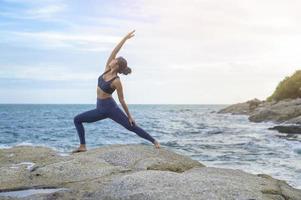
[(106, 106)]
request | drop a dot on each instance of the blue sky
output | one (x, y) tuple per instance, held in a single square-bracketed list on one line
[(206, 52)]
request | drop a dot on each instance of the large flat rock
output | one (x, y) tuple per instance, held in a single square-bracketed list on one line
[(16, 164), (127, 172), (198, 183), (142, 157)]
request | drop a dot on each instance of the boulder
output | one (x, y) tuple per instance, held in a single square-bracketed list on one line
[(134, 171), (287, 129), (287, 111), (245, 108), (197, 183), (279, 112), (295, 120)]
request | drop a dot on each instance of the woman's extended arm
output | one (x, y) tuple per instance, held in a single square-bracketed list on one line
[(118, 47), (119, 88)]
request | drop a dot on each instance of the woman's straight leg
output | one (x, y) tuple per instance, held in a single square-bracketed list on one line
[(88, 116), (121, 118)]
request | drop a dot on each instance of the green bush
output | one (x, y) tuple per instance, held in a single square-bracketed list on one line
[(288, 88)]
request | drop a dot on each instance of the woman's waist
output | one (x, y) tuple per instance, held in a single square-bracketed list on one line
[(106, 101)]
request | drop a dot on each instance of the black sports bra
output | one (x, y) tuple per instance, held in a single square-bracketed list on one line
[(106, 85)]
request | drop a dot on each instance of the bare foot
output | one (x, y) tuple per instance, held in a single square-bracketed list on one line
[(80, 149), (157, 145)]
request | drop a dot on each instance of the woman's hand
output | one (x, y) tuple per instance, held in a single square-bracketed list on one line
[(118, 47), (131, 120), (130, 34)]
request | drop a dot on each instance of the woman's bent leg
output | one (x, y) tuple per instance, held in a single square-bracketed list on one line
[(121, 118), (88, 116)]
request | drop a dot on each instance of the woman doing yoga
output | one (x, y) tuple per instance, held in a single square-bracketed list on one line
[(106, 107)]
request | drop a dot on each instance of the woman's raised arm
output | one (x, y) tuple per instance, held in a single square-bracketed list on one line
[(118, 47)]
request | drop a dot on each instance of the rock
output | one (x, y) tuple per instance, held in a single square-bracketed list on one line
[(197, 183), (287, 129), (244, 108), (131, 172), (38, 155), (265, 115), (52, 170), (137, 157), (295, 120), (79, 169), (286, 111), (254, 103), (278, 112), (14, 164)]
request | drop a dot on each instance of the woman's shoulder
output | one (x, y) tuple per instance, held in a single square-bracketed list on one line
[(117, 78)]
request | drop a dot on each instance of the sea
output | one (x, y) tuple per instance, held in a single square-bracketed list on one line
[(195, 130)]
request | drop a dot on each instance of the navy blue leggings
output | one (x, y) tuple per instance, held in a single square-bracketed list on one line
[(107, 108)]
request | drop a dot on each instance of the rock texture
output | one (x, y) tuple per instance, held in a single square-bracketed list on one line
[(287, 129), (245, 108), (131, 172), (295, 120), (281, 111)]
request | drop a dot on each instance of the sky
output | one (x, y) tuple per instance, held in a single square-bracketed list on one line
[(183, 51)]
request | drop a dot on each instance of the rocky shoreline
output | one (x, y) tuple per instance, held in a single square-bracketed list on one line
[(286, 113), (127, 172)]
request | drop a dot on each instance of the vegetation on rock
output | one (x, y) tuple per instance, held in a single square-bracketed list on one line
[(288, 88)]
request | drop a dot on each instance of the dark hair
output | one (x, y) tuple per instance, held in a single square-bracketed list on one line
[(123, 67)]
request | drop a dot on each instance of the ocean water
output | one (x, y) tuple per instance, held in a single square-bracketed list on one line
[(216, 140)]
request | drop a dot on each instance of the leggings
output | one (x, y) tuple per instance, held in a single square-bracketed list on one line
[(107, 108)]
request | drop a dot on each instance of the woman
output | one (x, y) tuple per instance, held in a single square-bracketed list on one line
[(106, 106)]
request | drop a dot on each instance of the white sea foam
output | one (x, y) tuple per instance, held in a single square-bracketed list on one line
[(3, 146), (24, 144)]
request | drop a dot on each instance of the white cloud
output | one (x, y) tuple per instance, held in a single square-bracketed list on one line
[(46, 72), (35, 10), (214, 46), (53, 40), (45, 12)]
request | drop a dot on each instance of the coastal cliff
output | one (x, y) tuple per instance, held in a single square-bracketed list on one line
[(286, 113), (129, 172), (282, 107)]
